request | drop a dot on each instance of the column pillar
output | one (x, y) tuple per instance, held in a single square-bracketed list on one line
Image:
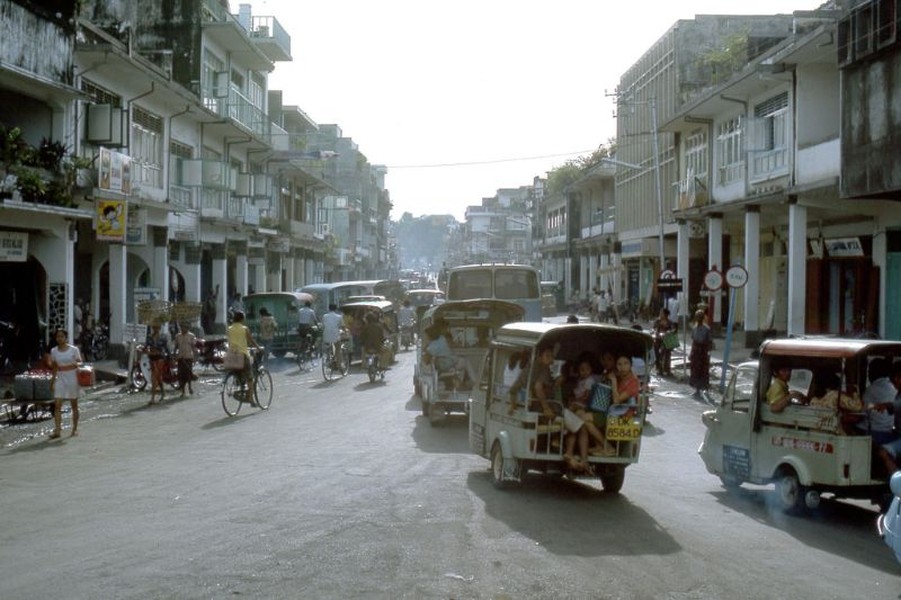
[(159, 270), (683, 271), (191, 271), (117, 293), (715, 259), (220, 272), (797, 267), (751, 291), (290, 285)]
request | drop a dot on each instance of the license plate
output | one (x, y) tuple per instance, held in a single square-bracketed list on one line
[(623, 429)]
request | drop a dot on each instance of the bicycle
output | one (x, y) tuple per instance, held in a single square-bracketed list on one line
[(306, 354), (335, 360), (234, 387)]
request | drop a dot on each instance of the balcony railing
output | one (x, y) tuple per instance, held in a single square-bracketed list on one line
[(690, 192), (270, 37), (769, 164)]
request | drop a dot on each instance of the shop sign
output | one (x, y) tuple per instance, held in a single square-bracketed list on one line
[(843, 247), (13, 246)]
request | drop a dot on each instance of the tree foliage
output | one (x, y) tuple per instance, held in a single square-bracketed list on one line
[(573, 169)]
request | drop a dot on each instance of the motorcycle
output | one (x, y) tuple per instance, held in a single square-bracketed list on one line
[(95, 342), (373, 369), (210, 352), (139, 375), (406, 336)]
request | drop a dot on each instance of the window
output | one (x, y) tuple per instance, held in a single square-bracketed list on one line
[(147, 148), (769, 138), (213, 87), (729, 151), (696, 154)]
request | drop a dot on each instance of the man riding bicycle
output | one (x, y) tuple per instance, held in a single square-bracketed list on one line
[(306, 319), (332, 323)]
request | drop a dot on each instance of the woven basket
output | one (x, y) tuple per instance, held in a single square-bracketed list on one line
[(186, 311), (154, 311)]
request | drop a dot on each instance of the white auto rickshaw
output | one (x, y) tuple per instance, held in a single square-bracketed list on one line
[(817, 444), (519, 440), (444, 385)]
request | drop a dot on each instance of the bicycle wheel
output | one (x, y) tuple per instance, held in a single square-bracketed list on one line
[(263, 388), (328, 366), (232, 390), (138, 381), (344, 360)]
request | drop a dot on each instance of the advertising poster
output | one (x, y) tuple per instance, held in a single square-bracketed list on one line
[(111, 219), (115, 171)]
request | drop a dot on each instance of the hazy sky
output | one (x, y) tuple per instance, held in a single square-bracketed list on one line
[(461, 98)]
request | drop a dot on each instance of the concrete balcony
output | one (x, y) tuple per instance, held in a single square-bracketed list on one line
[(270, 37)]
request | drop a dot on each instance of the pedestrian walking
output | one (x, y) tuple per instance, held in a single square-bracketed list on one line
[(208, 312), (268, 328), (664, 329), (64, 361), (701, 345), (184, 354), (602, 307)]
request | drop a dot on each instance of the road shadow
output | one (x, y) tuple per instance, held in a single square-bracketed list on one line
[(843, 528), (448, 436), (228, 421), (571, 518)]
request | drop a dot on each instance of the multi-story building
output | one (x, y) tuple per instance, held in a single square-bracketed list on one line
[(761, 159), (868, 45), (199, 177), (687, 59), (500, 230)]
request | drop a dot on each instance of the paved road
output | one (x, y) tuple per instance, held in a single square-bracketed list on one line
[(343, 490)]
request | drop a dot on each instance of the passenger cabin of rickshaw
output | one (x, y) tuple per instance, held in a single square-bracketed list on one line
[(817, 443), (355, 315), (444, 383), (528, 439)]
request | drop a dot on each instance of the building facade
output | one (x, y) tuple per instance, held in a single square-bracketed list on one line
[(180, 173)]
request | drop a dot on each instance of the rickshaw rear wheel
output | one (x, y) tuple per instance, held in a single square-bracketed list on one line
[(498, 466), (789, 491), (613, 480)]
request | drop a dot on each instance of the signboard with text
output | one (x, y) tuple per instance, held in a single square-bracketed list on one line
[(13, 246)]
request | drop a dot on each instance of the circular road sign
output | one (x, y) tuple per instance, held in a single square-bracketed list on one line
[(713, 279), (737, 276)]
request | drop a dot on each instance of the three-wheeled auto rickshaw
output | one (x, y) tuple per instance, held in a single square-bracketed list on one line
[(354, 318), (284, 307), (468, 326), (814, 445), (423, 299), (520, 439)]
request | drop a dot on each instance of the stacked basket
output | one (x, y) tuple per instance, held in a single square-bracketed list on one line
[(154, 312), (186, 312)]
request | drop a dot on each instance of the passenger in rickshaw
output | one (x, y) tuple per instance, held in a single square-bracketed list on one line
[(541, 385), (580, 421), (517, 365), (827, 394), (441, 355)]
